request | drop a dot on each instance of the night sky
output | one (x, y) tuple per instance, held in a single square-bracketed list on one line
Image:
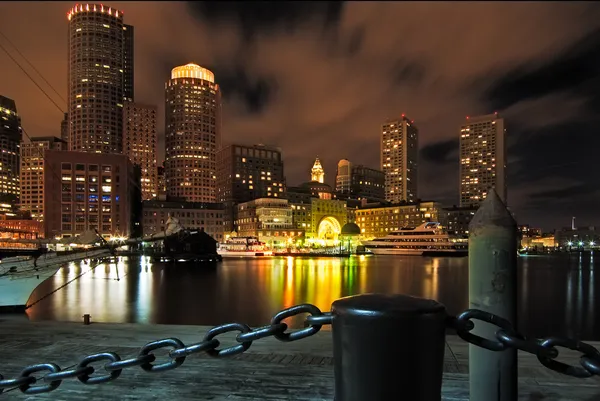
[(320, 78)]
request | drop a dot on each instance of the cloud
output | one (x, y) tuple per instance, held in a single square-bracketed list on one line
[(325, 87)]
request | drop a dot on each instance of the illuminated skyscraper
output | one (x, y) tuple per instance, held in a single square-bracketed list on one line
[(399, 159), (139, 143), (482, 158), (128, 80), (317, 173), (192, 133), (10, 140), (96, 78)]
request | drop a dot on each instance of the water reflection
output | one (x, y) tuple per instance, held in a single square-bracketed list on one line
[(556, 293)]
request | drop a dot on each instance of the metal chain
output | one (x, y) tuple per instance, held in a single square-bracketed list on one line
[(544, 349), (506, 337), (114, 364)]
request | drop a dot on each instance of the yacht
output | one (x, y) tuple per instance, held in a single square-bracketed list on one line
[(243, 247), (428, 239), (19, 276)]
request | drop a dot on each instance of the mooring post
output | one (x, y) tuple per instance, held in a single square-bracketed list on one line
[(388, 347), (493, 376), (86, 319)]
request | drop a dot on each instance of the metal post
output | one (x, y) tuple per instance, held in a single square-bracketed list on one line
[(388, 347), (493, 288)]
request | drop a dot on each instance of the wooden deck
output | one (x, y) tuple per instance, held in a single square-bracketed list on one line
[(269, 370)]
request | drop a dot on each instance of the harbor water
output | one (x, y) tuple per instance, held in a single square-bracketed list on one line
[(557, 294)]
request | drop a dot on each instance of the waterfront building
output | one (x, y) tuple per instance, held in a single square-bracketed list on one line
[(482, 159), (192, 133), (10, 140), (301, 205), (247, 172), (96, 69), (378, 221), (457, 219), (191, 215), (90, 191), (140, 144), (328, 216), (574, 238), (399, 159), (32, 173), (270, 220)]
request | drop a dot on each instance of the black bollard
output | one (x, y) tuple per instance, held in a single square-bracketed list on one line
[(388, 348), (86, 319)]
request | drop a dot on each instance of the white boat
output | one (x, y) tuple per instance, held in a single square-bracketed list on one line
[(19, 276), (428, 239), (243, 247)]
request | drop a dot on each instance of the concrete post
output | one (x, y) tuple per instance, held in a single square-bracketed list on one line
[(493, 376)]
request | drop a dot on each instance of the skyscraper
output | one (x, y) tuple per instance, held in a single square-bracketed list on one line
[(96, 78), (139, 143), (343, 178), (192, 133), (32, 173), (399, 159), (245, 173), (482, 158), (10, 140), (128, 80), (64, 129)]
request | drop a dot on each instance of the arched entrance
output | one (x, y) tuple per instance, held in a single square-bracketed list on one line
[(329, 229)]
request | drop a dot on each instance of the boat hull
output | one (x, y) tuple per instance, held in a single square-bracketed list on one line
[(17, 284), (418, 252), (246, 254)]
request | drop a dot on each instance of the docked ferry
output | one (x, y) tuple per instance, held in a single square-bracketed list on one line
[(428, 239), (243, 247)]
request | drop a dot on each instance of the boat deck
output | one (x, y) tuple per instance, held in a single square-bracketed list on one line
[(269, 370)]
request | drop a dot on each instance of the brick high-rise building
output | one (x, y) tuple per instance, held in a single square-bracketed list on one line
[(399, 159), (482, 159), (192, 133), (96, 77), (84, 191), (140, 144)]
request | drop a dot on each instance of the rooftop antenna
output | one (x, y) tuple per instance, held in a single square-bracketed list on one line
[(573, 224)]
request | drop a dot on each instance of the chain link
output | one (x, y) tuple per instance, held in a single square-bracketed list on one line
[(114, 365), (544, 349)]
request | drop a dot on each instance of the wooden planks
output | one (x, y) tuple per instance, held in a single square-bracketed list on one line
[(269, 370)]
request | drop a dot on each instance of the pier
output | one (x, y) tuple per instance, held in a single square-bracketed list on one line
[(269, 370)]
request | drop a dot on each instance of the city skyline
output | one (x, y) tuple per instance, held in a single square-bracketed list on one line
[(543, 117)]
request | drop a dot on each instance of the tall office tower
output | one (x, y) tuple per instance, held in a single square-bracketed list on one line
[(32, 173), (192, 133), (245, 173), (343, 178), (399, 159), (64, 129), (128, 80), (482, 159), (10, 141), (96, 69), (140, 144), (317, 173)]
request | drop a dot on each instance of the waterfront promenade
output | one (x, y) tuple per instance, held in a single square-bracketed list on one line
[(269, 370)]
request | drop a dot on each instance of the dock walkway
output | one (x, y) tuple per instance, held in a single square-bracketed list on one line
[(269, 370)]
